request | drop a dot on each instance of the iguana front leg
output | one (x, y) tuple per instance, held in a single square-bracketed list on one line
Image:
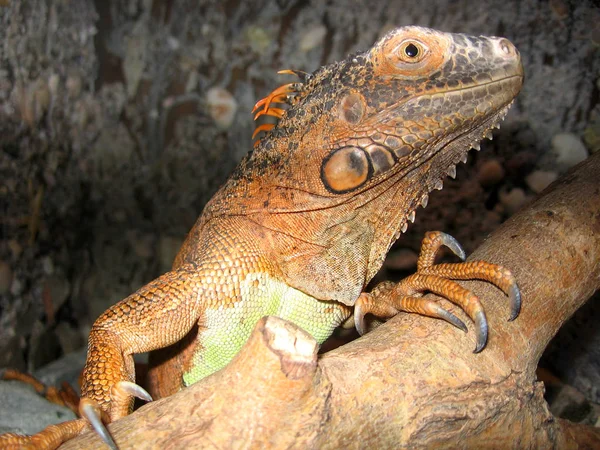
[(388, 298), (157, 315)]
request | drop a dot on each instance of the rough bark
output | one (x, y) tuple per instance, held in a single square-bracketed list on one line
[(413, 382)]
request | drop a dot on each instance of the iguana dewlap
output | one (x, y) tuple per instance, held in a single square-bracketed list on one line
[(307, 218)]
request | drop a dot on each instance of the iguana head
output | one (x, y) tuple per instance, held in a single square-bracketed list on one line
[(365, 140)]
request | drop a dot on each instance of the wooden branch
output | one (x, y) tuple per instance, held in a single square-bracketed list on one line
[(413, 382)]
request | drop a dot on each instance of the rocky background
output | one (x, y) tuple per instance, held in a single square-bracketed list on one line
[(120, 119)]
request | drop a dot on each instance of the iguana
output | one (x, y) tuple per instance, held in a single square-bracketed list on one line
[(305, 221)]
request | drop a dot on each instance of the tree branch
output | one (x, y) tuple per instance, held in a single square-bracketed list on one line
[(413, 381)]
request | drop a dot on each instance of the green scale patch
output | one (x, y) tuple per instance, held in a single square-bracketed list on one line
[(228, 328)]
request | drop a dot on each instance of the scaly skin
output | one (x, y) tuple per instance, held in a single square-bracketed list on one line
[(307, 218)]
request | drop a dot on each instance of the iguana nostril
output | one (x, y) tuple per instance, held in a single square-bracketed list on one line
[(506, 47)]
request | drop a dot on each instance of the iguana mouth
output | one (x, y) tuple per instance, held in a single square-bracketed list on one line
[(512, 81), (501, 90)]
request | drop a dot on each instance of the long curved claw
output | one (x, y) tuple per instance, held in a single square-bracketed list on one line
[(460, 296), (90, 410), (367, 304), (424, 306), (359, 319), (133, 389), (120, 398), (481, 330), (453, 245), (431, 245), (514, 296), (446, 315)]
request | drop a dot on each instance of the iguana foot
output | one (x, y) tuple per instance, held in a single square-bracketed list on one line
[(387, 298), (89, 410), (49, 438), (120, 401), (63, 396), (53, 435)]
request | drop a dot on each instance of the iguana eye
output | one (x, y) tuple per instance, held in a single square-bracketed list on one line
[(345, 169), (411, 51)]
